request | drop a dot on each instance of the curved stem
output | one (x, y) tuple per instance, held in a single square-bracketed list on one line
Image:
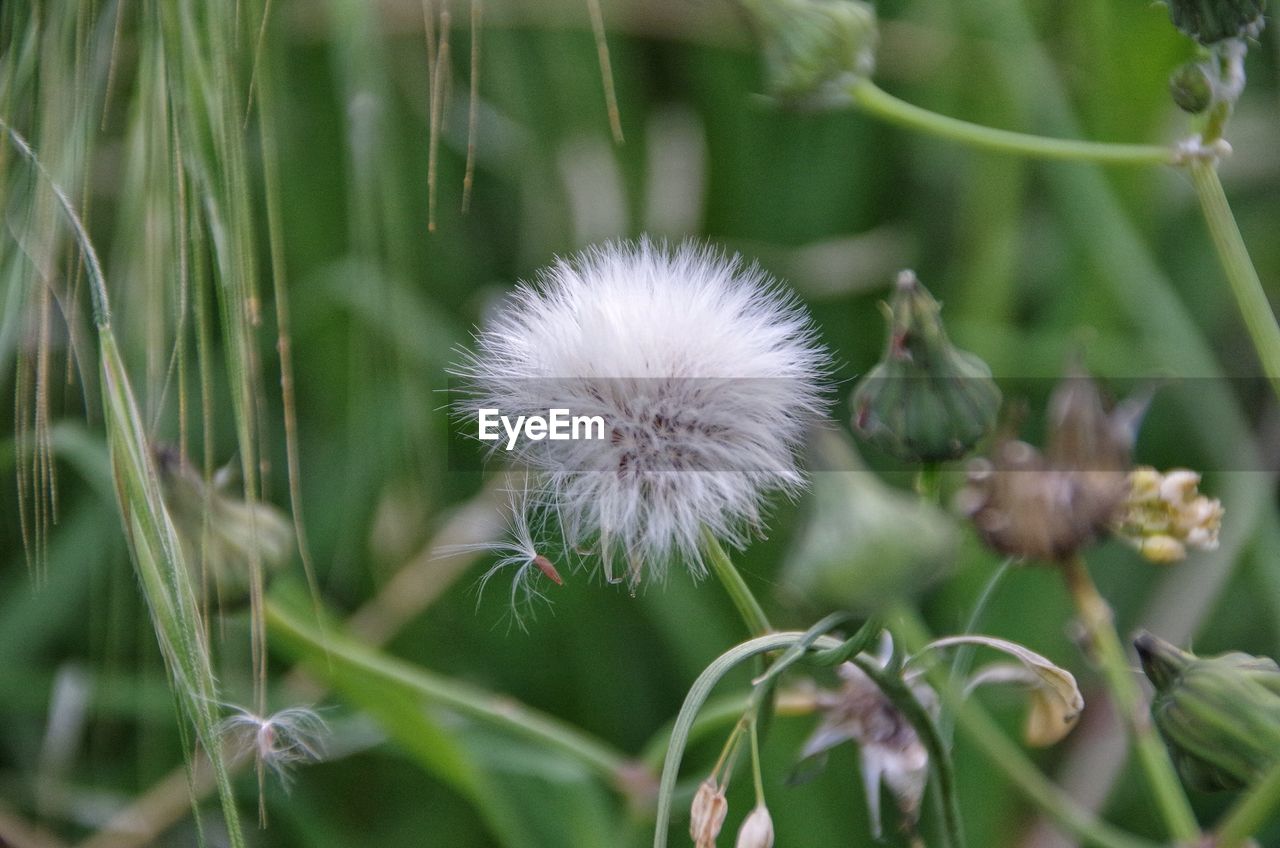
[(940, 765), (1007, 757), (1251, 812), (876, 101), (1250, 297), (748, 607), (331, 651), (1110, 656)]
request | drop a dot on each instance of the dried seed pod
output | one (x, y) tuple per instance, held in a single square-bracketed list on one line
[(706, 815), (1049, 505)]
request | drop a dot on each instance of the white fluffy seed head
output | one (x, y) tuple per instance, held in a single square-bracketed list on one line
[(705, 373)]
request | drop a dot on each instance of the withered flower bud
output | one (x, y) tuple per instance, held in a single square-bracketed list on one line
[(1047, 506), (1219, 716), (888, 746), (926, 400), (1211, 21), (706, 815), (815, 49)]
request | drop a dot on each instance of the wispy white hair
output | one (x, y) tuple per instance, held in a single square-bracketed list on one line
[(705, 372)]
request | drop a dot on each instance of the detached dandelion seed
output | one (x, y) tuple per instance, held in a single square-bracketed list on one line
[(516, 551), (704, 371), (276, 742)]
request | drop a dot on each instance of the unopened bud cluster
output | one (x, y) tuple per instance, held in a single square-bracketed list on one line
[(1165, 515)]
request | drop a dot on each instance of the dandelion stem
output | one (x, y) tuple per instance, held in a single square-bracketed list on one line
[(874, 100), (1099, 625), (986, 735), (748, 607), (1250, 812), (1250, 297)]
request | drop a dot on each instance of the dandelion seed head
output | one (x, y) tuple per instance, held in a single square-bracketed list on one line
[(705, 373)]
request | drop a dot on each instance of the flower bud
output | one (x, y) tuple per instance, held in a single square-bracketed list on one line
[(926, 400), (706, 816), (865, 544), (815, 48), (1219, 716), (1211, 21), (756, 830), (1191, 88)]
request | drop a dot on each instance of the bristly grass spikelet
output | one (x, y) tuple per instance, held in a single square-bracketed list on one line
[(704, 372)]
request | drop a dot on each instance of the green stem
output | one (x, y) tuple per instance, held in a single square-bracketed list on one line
[(495, 710), (1250, 297), (1099, 624), (1251, 812), (929, 483), (900, 695), (876, 101), (753, 727), (748, 607), (1003, 754)]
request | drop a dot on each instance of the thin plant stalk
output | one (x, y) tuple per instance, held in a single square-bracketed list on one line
[(1242, 277), (875, 101), (1246, 287), (1251, 811), (1099, 625), (739, 592)]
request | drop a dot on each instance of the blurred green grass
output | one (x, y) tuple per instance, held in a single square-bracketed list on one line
[(832, 202)]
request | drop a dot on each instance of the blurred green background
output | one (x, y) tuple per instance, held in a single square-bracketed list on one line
[(1033, 262)]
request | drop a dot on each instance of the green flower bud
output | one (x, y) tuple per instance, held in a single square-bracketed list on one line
[(927, 400), (1219, 716), (865, 544), (1211, 21), (815, 48), (1191, 88)]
